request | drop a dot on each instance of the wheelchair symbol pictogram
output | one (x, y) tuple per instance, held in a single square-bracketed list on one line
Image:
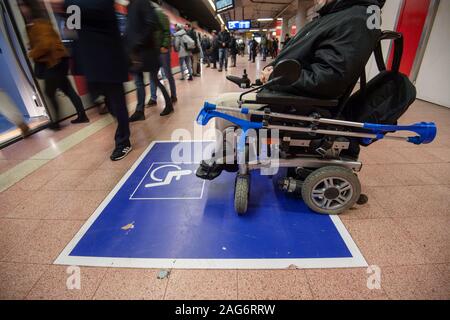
[(170, 176)]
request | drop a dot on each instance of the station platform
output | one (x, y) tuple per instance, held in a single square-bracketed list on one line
[(64, 203)]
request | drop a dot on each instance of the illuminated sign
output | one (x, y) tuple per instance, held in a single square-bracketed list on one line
[(239, 25), (224, 5)]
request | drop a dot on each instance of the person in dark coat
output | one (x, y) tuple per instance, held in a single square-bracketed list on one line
[(51, 60), (104, 64), (331, 64), (143, 49), (224, 40), (206, 46), (233, 50), (214, 50), (332, 50)]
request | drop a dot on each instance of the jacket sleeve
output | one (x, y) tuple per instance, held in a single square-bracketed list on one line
[(151, 22), (338, 60), (166, 30)]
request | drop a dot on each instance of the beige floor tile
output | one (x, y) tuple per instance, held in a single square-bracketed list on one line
[(102, 180), (45, 243), (415, 282), (384, 243), (273, 285), (439, 171), (67, 180), (131, 284), (10, 199), (342, 284), (202, 285), (17, 279), (13, 232), (430, 233), (61, 283)]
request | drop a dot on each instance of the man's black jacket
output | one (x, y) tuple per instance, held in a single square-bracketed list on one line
[(333, 49), (224, 39)]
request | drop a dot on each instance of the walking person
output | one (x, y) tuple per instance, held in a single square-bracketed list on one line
[(183, 45), (51, 60), (143, 48), (276, 47), (224, 40), (233, 50), (263, 47), (254, 50), (104, 64), (214, 51), (196, 52), (164, 57), (206, 46)]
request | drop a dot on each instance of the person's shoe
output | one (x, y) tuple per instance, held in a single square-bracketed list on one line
[(209, 170), (190, 78), (24, 129), (196, 75), (167, 110), (80, 119), (181, 79), (103, 110), (214, 68), (208, 66), (174, 99), (54, 126), (137, 116), (226, 69), (152, 103), (220, 70), (120, 152)]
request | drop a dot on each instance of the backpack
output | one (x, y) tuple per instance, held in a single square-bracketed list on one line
[(189, 44), (385, 98)]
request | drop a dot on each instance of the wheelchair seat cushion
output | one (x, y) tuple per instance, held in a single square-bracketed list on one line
[(383, 101), (276, 98)]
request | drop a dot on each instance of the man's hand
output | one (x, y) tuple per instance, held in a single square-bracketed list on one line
[(265, 74)]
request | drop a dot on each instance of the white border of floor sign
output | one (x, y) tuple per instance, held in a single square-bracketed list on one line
[(356, 261)]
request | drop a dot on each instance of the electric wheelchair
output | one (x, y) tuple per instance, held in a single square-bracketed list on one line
[(318, 140)]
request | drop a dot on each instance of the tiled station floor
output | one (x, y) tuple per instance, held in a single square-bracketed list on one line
[(53, 181)]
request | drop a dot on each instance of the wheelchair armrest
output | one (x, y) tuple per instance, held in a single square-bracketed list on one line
[(286, 99), (241, 82)]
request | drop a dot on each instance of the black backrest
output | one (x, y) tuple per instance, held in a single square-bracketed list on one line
[(397, 37)]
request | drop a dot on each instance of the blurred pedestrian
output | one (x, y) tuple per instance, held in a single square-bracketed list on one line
[(233, 50), (214, 50), (143, 48), (164, 57), (10, 111), (104, 63), (196, 52), (206, 46), (51, 59), (224, 40), (183, 45)]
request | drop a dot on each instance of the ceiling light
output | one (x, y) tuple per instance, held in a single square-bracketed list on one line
[(212, 4), (265, 19), (220, 18)]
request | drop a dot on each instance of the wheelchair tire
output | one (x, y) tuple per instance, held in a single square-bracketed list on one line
[(242, 194), (331, 190)]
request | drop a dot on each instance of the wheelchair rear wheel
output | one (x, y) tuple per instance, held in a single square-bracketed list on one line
[(331, 190), (242, 194)]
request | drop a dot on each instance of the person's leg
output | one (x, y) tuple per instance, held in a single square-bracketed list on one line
[(189, 67), (166, 65), (169, 107), (12, 113), (51, 85), (220, 59), (225, 57), (67, 88), (153, 96), (195, 64), (182, 60), (140, 88), (139, 115), (115, 95)]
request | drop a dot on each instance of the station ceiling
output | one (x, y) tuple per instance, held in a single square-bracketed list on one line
[(196, 10)]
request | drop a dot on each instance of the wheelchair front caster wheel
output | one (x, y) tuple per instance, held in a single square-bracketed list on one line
[(242, 194), (363, 199), (331, 190)]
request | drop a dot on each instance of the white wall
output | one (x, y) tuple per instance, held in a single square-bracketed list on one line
[(389, 16), (433, 81)]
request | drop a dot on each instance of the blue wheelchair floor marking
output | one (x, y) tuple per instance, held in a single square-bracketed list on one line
[(162, 216)]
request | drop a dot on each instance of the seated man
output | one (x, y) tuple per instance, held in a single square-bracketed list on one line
[(332, 50)]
